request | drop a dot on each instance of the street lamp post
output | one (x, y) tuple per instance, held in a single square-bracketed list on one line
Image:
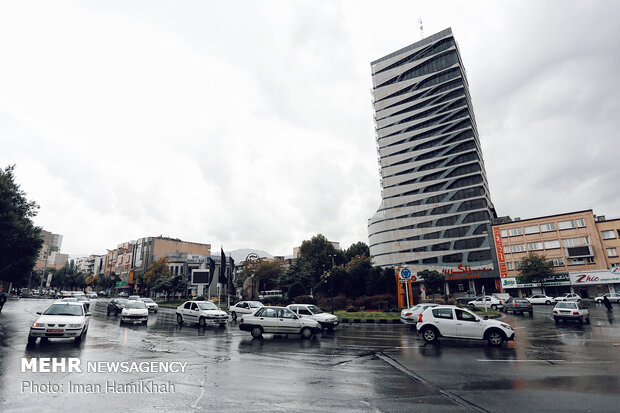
[(331, 282)]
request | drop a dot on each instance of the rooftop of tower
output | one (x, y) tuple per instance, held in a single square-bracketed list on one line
[(423, 42)]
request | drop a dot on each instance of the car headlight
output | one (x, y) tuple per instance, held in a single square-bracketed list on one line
[(506, 326), (75, 325), (38, 324)]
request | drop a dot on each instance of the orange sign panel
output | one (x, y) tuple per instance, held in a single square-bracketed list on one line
[(499, 249)]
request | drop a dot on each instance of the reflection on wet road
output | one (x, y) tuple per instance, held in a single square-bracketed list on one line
[(358, 367)]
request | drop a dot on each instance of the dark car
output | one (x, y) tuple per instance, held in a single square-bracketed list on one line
[(116, 305), (518, 306), (464, 299)]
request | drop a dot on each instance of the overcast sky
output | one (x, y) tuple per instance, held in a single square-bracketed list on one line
[(249, 124)]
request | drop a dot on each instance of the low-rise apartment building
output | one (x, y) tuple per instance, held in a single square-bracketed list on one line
[(573, 242)]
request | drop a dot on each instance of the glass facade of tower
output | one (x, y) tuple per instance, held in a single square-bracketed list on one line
[(436, 210)]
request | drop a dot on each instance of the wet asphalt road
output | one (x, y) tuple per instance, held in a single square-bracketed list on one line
[(568, 367)]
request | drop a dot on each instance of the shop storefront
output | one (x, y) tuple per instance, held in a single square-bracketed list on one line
[(589, 284), (555, 285)]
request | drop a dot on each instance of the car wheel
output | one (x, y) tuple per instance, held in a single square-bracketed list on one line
[(306, 332), (234, 316), (223, 325), (115, 313), (108, 313), (257, 332), (32, 340), (179, 319), (547, 302), (599, 301), (201, 322), (579, 300), (495, 338), (331, 328), (429, 334), (79, 338), (494, 307), (472, 306)]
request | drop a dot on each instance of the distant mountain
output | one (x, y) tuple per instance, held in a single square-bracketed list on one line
[(240, 255)]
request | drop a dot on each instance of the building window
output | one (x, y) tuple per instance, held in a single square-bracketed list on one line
[(580, 261), (549, 245), (581, 223), (584, 240), (547, 227), (557, 262), (571, 242), (518, 248), (566, 225), (504, 233), (534, 246), (506, 249), (515, 231), (510, 265), (611, 252), (532, 229), (608, 234)]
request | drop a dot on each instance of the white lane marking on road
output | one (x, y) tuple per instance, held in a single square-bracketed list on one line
[(546, 361)]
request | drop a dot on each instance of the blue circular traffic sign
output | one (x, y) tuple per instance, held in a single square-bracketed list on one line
[(405, 273)]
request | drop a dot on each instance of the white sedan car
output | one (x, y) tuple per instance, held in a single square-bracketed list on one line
[(326, 320), (60, 320), (490, 301), (150, 304), (135, 312), (410, 316), (278, 320), (612, 297), (569, 297), (244, 307), (201, 312), (540, 299), (566, 310)]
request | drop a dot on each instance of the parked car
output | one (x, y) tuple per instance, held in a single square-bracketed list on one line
[(490, 301), (244, 307), (465, 299), (123, 294), (455, 322), (150, 304), (612, 297), (60, 320), (410, 316), (91, 295), (568, 297), (201, 312), (278, 320), (135, 312), (325, 319), (540, 299), (116, 305), (518, 306), (134, 298), (566, 310)]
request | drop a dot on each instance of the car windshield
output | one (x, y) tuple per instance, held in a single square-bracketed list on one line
[(148, 300), (122, 301), (82, 298), (314, 309), (566, 305), (255, 304), (65, 309), (70, 300), (207, 306), (135, 304)]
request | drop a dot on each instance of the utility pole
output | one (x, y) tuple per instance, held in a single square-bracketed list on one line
[(331, 281)]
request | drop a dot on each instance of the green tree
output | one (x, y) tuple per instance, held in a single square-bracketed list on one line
[(295, 290), (20, 239), (157, 274), (357, 249), (268, 273), (359, 271), (315, 257), (535, 269), (434, 280)]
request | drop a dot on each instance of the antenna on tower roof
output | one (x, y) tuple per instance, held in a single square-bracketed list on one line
[(421, 29)]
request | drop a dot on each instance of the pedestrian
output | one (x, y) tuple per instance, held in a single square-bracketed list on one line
[(607, 303), (2, 299)]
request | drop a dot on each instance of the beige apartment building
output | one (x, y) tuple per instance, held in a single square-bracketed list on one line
[(572, 241)]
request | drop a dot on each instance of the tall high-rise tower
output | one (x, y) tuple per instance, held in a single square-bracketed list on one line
[(436, 210)]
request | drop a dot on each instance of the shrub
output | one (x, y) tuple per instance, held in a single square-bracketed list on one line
[(375, 302), (296, 289), (275, 301), (352, 309), (304, 299), (340, 302)]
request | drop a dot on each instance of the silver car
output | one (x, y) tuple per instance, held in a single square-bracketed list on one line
[(60, 320), (202, 312), (278, 320)]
